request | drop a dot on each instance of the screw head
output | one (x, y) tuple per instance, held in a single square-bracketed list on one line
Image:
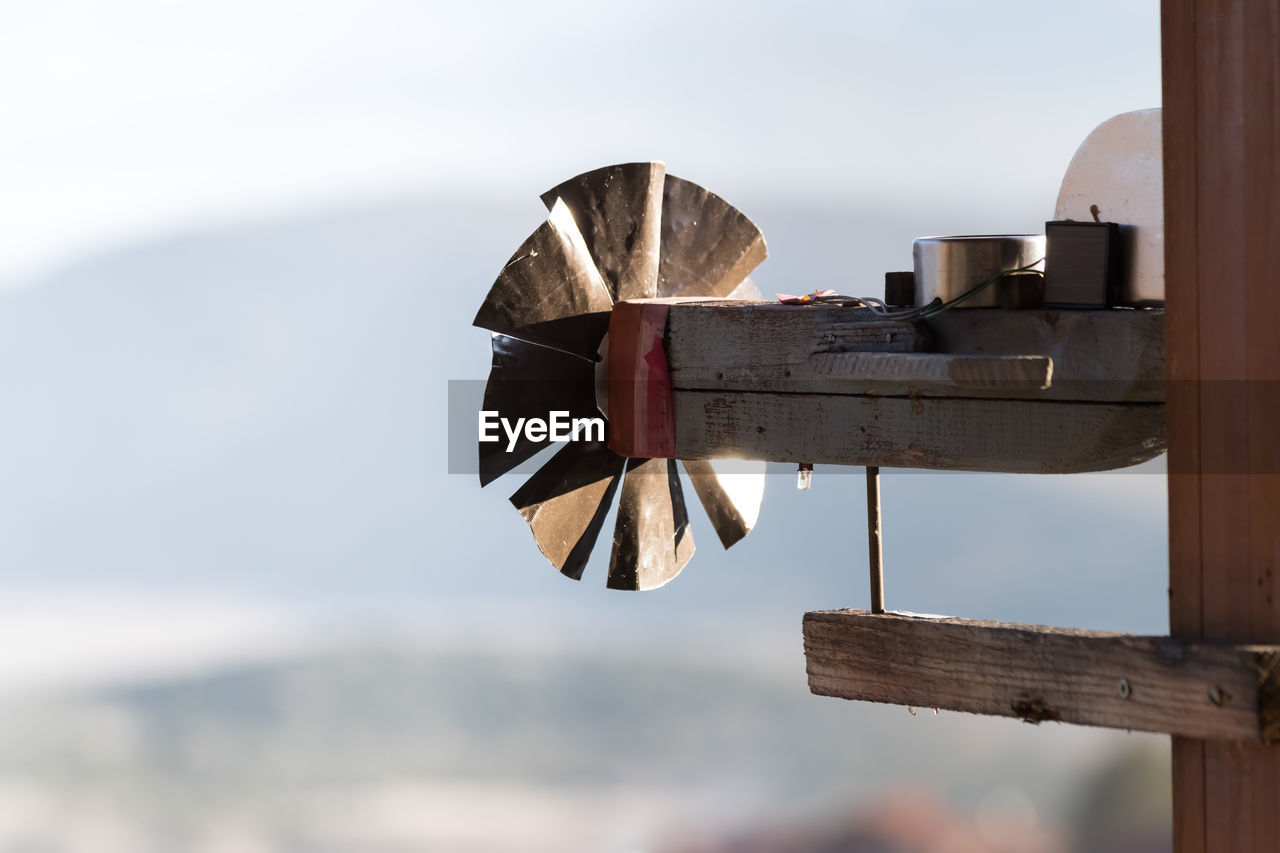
[(1216, 696), (1124, 689)]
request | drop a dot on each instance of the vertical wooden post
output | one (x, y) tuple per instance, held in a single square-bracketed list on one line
[(1222, 269)]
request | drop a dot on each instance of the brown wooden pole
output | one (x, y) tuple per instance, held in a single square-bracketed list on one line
[(1221, 63), (875, 550)]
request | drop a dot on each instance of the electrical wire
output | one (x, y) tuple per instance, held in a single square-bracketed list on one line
[(922, 312), (928, 312)]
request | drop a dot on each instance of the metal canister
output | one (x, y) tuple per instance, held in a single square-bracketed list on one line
[(949, 267)]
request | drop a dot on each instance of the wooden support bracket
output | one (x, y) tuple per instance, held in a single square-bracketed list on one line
[(1211, 691)]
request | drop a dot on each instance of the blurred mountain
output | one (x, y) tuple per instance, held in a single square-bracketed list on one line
[(400, 750), (897, 822), (1125, 806), (258, 412), (262, 407)]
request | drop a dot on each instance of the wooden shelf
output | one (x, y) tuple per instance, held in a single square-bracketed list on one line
[(1211, 691)]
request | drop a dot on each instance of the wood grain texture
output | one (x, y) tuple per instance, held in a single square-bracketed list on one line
[(930, 373), (827, 384), (1108, 356), (757, 346), (1221, 74), (1182, 367), (1011, 436), (1042, 674)]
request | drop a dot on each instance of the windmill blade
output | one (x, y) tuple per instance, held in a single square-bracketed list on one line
[(530, 381), (566, 501), (618, 210), (746, 290), (730, 491), (652, 541), (708, 246), (550, 291)]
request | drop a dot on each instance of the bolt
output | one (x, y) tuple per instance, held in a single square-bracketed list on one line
[(1216, 696), (1124, 689)]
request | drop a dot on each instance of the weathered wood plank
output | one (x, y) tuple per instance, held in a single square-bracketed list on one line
[(1222, 213), (1159, 684), (1107, 356), (766, 345), (828, 384), (919, 374), (1182, 369), (847, 386), (1115, 355), (1009, 436)]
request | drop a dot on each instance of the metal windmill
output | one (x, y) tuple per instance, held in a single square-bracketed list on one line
[(622, 233)]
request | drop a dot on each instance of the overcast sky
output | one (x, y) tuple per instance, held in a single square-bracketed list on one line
[(127, 120)]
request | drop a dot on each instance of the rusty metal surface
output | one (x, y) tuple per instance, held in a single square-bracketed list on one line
[(652, 541), (875, 550), (530, 381), (708, 246), (566, 501), (730, 491), (618, 210), (550, 291)]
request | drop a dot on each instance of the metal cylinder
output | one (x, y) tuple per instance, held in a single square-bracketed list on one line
[(949, 267)]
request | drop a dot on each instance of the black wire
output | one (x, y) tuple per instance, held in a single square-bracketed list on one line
[(1023, 270), (921, 312)]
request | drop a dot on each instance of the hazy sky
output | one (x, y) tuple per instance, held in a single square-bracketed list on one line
[(133, 118), (130, 121)]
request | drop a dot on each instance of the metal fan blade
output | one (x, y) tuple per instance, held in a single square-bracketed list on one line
[(746, 290), (550, 291), (730, 491), (652, 541), (618, 209), (531, 381), (566, 501), (708, 246)]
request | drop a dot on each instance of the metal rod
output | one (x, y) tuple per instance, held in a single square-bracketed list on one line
[(873, 539)]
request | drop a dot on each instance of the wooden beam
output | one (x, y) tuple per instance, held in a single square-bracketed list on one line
[(1221, 76), (1009, 436), (1014, 391), (880, 374), (1222, 692), (1182, 368), (1097, 356), (1109, 356)]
